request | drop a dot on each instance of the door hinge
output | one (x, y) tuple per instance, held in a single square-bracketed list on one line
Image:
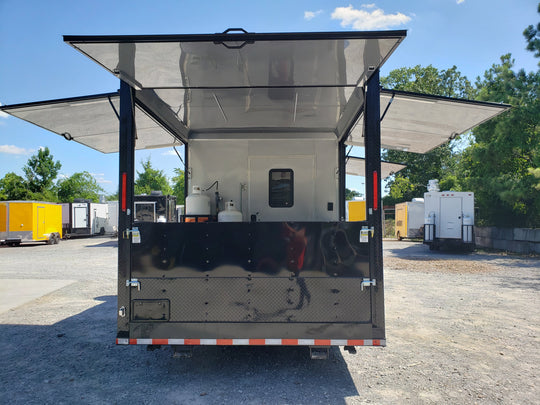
[(134, 283), (366, 282)]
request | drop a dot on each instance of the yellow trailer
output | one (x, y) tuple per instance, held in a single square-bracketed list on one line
[(410, 219), (30, 221), (356, 210)]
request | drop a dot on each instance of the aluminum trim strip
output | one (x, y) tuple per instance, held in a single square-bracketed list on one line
[(254, 342)]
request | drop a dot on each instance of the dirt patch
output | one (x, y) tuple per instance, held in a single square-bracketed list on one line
[(430, 265)]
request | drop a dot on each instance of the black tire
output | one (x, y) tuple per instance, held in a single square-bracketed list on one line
[(56, 238), (398, 236)]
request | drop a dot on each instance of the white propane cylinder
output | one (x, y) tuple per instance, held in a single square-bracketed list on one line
[(230, 214), (433, 185), (468, 220), (197, 203)]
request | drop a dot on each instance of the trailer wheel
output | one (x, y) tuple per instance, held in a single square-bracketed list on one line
[(56, 237), (399, 236), (50, 241)]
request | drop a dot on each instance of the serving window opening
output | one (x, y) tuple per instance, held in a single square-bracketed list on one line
[(281, 188)]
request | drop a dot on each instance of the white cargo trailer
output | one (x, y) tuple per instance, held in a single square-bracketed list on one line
[(449, 219), (85, 218)]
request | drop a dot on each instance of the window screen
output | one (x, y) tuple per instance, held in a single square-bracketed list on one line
[(281, 190)]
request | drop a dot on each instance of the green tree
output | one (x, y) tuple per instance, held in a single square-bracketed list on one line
[(79, 185), (500, 166), (178, 186), (13, 187), (41, 170), (441, 162), (532, 35), (350, 194), (151, 179)]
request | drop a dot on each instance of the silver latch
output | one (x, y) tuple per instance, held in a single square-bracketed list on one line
[(135, 235), (366, 282), (122, 312), (134, 283)]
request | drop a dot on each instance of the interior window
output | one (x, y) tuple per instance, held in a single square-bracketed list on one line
[(281, 190)]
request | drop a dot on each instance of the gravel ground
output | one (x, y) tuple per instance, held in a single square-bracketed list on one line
[(461, 328)]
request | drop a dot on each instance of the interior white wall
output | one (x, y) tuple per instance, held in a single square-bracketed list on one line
[(228, 162)]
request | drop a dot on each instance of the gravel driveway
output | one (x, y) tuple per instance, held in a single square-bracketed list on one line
[(460, 329)]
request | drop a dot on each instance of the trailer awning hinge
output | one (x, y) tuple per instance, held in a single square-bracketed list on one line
[(134, 283), (366, 282)]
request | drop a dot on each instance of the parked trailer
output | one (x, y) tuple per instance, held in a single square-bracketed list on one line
[(269, 118), (410, 219), (30, 221), (155, 208), (85, 218), (449, 219)]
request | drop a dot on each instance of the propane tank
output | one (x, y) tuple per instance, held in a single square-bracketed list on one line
[(433, 185), (230, 214), (468, 220), (197, 203)]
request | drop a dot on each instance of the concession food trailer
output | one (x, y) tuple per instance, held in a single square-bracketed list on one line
[(268, 118)]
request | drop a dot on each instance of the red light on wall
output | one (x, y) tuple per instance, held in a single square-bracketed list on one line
[(375, 191), (124, 191)]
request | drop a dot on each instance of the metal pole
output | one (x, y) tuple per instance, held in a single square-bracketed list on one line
[(341, 173), (373, 194), (125, 214)]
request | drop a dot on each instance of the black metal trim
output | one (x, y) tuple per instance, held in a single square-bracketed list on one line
[(353, 122), (342, 166), (126, 166), (240, 37), (158, 118), (6, 108), (444, 98)]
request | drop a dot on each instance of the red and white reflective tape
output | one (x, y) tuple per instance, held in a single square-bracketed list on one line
[(254, 342)]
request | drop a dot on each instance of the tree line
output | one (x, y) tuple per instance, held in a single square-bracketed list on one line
[(499, 160), (41, 183)]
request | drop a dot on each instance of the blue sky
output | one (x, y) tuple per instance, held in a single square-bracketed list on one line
[(35, 64)]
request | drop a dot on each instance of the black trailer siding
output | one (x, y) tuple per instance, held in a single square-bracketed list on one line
[(275, 273)]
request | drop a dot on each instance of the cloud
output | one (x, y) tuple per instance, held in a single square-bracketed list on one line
[(368, 20), (460, 1), (372, 5), (169, 152), (309, 15), (15, 150), (103, 181)]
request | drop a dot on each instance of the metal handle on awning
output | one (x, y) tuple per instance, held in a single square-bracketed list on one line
[(229, 30)]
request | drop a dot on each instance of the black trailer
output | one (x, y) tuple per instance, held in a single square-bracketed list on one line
[(155, 207), (269, 116)]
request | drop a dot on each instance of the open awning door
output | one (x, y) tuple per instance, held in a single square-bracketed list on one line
[(356, 166), (413, 122), (93, 121)]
